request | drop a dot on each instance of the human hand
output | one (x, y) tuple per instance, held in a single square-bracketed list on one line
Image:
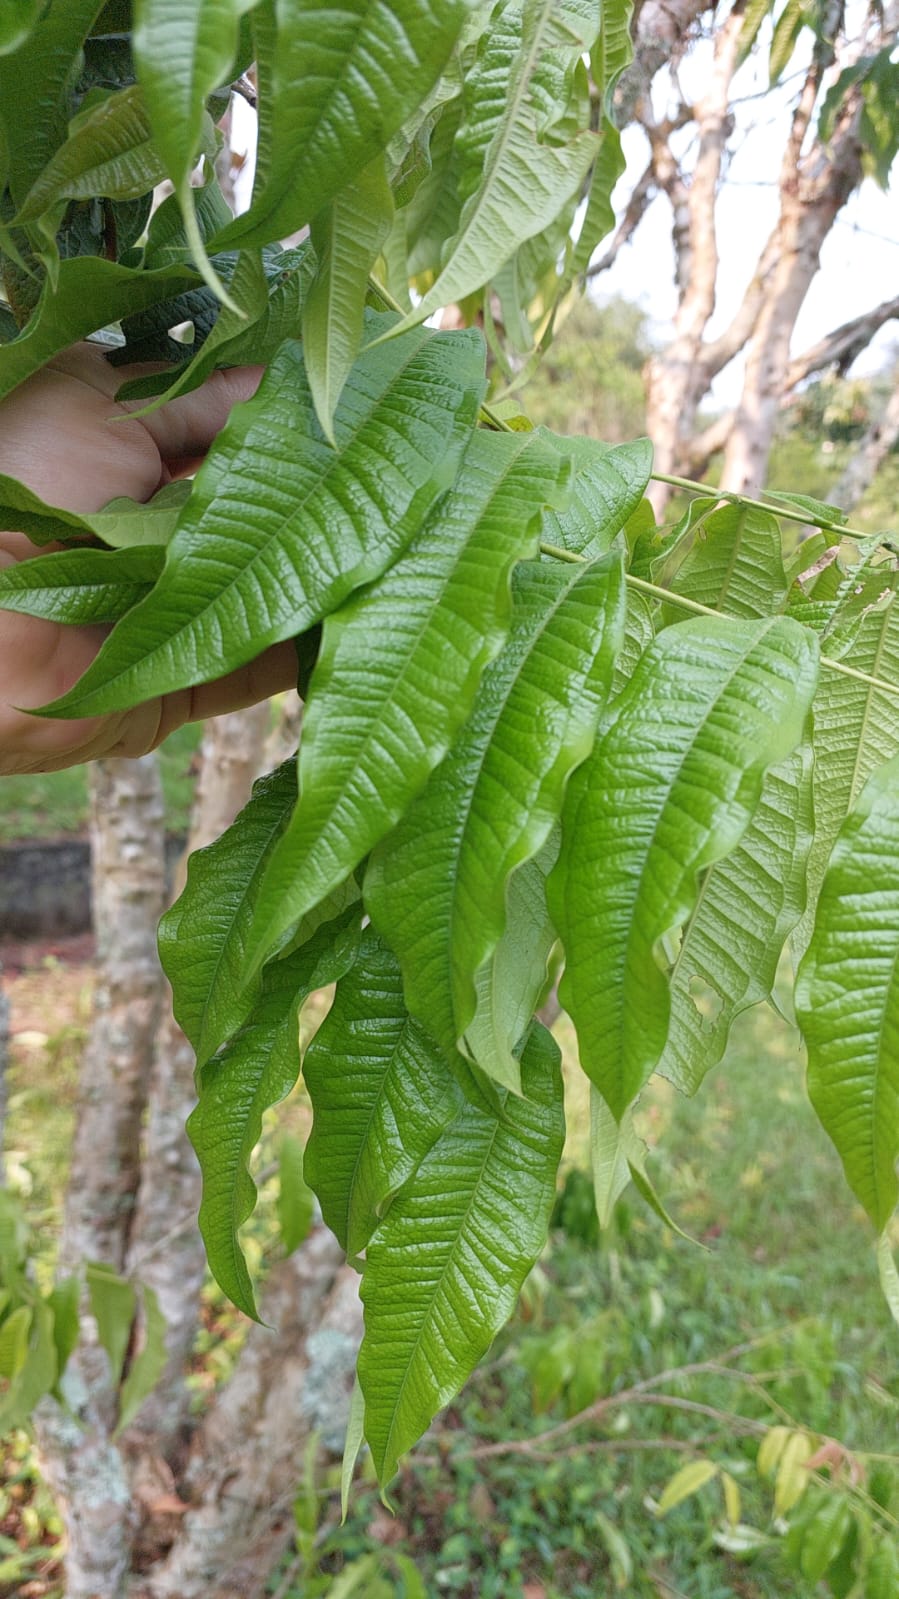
[(57, 436)]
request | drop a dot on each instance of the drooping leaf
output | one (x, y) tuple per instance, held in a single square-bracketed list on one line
[(280, 527), (341, 83), (347, 237), (255, 1070), (109, 151), (83, 586), (670, 789), (515, 174), (36, 1372), (167, 243), (512, 981), (381, 1094), (609, 484), (296, 1201), (34, 123), (436, 886), (599, 217), (113, 1302), (89, 293), (747, 906), (444, 1268), (148, 1364), (847, 996), (398, 671)]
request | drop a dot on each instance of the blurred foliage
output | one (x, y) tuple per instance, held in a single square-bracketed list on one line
[(590, 380)]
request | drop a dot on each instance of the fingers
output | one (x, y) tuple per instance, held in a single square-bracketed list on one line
[(186, 427)]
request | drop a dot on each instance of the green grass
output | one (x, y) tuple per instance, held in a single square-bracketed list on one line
[(55, 804)]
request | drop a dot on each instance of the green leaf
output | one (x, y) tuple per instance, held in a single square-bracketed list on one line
[(516, 174), (202, 937), (236, 1087), (512, 982), (613, 1146), (856, 726), (733, 563), (296, 1201), (64, 1303), (109, 151), (89, 294), (783, 42), (686, 1482), (444, 1269), (83, 586), (347, 238), (16, 22), (436, 887), (341, 82), (847, 997), (121, 521), (747, 906), (34, 122), (113, 1302), (381, 1094), (670, 789), (14, 1332), (609, 484), (398, 670), (280, 527), (599, 217), (128, 524), (148, 1364), (36, 1375), (167, 243)]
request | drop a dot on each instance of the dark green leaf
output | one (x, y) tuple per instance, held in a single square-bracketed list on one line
[(34, 122), (381, 1094), (444, 1269), (83, 586), (17, 19), (280, 527)]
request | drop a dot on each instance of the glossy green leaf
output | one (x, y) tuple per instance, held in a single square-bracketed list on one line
[(516, 173), (381, 1094), (609, 484), (670, 789), (83, 586), (255, 1070), (341, 82), (347, 237), (512, 982), (436, 886), (148, 1364), (280, 527), (847, 997), (89, 294), (856, 726), (747, 906), (733, 563), (113, 1303), (109, 151), (34, 123), (444, 1269), (399, 667), (296, 1201)]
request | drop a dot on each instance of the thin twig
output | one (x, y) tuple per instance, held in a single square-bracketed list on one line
[(807, 518)]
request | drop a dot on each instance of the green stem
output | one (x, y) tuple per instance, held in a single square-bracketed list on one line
[(805, 517)]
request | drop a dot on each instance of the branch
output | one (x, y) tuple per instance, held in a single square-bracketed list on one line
[(841, 347), (699, 451)]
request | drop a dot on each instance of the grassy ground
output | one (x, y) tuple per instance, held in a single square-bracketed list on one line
[(783, 1264)]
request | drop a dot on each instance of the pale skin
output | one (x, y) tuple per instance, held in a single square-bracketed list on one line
[(57, 435)]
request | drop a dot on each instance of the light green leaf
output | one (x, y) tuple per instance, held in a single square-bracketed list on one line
[(516, 174), (132, 521), (847, 997), (599, 217), (113, 1303), (341, 81), (296, 1201), (347, 238), (609, 484), (856, 726), (64, 1303), (89, 294), (613, 50), (511, 983), (36, 1375), (436, 886), (14, 1332), (670, 789), (128, 524), (685, 1483), (613, 1145), (17, 19), (381, 1094), (747, 906), (444, 1269), (355, 1437), (733, 563), (80, 586), (399, 668), (109, 151), (255, 1070), (148, 1364), (280, 527)]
